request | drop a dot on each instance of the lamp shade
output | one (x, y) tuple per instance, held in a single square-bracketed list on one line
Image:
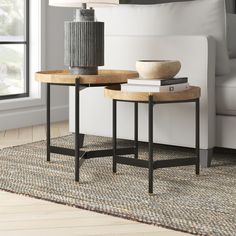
[(78, 3)]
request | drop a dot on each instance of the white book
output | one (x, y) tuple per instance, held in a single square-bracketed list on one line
[(154, 89), (138, 81)]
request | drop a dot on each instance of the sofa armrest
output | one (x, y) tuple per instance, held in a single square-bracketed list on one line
[(197, 55)]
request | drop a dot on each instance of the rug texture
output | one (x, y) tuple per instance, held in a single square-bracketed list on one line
[(204, 205)]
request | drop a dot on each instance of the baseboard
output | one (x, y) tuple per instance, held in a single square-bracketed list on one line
[(34, 116), (225, 150)]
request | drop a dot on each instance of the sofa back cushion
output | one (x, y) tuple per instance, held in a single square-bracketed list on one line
[(201, 17), (231, 36), (230, 6)]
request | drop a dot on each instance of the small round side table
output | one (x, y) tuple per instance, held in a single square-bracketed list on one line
[(192, 95), (64, 78)]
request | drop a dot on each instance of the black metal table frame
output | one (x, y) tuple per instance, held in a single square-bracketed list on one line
[(80, 156), (150, 164)]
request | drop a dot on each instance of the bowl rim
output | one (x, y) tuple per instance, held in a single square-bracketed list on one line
[(158, 61)]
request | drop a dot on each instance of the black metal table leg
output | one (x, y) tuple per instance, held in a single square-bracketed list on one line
[(48, 122), (81, 156), (150, 133), (136, 129), (77, 129), (114, 115), (150, 164), (197, 120), (81, 140)]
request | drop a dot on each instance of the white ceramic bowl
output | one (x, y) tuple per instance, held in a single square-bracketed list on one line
[(157, 69)]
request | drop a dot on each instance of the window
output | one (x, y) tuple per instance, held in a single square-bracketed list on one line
[(14, 49)]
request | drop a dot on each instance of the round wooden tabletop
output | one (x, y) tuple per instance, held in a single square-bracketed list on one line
[(114, 92), (104, 77)]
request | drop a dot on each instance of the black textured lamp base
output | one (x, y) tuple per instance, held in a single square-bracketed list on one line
[(84, 46), (84, 70)]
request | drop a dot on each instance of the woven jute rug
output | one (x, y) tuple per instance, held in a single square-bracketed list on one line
[(204, 205)]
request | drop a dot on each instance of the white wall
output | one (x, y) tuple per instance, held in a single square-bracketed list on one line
[(47, 54), (55, 49)]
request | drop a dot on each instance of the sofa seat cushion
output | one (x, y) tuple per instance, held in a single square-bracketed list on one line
[(226, 92)]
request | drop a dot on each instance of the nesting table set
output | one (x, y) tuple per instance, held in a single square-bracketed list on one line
[(111, 80)]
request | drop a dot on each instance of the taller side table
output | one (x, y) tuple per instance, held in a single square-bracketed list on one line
[(64, 78), (192, 95)]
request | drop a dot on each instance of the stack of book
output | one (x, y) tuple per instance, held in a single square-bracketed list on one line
[(154, 86)]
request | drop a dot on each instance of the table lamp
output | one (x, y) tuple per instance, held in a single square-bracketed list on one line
[(84, 37)]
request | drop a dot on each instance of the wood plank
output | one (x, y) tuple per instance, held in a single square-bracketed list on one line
[(87, 230), (2, 134), (10, 138), (39, 133), (11, 135), (26, 134), (55, 223), (156, 233), (11, 199), (53, 214), (64, 128), (55, 130)]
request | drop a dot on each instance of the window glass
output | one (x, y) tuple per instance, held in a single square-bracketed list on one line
[(12, 69), (14, 51)]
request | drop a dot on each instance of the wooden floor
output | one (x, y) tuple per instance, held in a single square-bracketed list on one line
[(26, 216)]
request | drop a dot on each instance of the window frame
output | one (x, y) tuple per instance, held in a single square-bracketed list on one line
[(26, 43)]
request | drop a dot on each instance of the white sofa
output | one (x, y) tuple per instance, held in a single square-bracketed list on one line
[(174, 124)]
